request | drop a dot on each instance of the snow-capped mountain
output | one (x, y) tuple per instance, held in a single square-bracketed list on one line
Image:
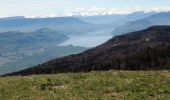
[(83, 12)]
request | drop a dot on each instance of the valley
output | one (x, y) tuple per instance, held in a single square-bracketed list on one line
[(141, 50), (34, 41)]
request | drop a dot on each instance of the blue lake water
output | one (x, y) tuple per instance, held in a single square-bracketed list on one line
[(90, 39)]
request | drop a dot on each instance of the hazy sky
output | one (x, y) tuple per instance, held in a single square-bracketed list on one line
[(40, 7)]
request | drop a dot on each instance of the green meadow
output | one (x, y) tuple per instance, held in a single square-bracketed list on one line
[(98, 85)]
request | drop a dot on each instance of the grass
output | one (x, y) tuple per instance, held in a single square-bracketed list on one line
[(105, 85)]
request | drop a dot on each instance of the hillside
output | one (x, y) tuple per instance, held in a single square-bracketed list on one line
[(141, 50), (106, 85), (135, 25), (20, 50), (41, 37)]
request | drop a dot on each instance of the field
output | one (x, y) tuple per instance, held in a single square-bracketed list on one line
[(99, 85)]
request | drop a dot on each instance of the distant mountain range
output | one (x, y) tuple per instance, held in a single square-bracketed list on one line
[(22, 21), (83, 24), (65, 25), (74, 25), (153, 19), (115, 20), (142, 50)]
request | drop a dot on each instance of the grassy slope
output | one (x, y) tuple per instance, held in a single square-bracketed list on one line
[(105, 85)]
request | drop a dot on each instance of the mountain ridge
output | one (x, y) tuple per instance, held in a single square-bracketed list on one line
[(153, 20), (72, 24)]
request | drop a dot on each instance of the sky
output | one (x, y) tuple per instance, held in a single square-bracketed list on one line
[(54, 7)]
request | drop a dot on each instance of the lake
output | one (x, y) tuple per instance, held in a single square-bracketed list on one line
[(90, 39)]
